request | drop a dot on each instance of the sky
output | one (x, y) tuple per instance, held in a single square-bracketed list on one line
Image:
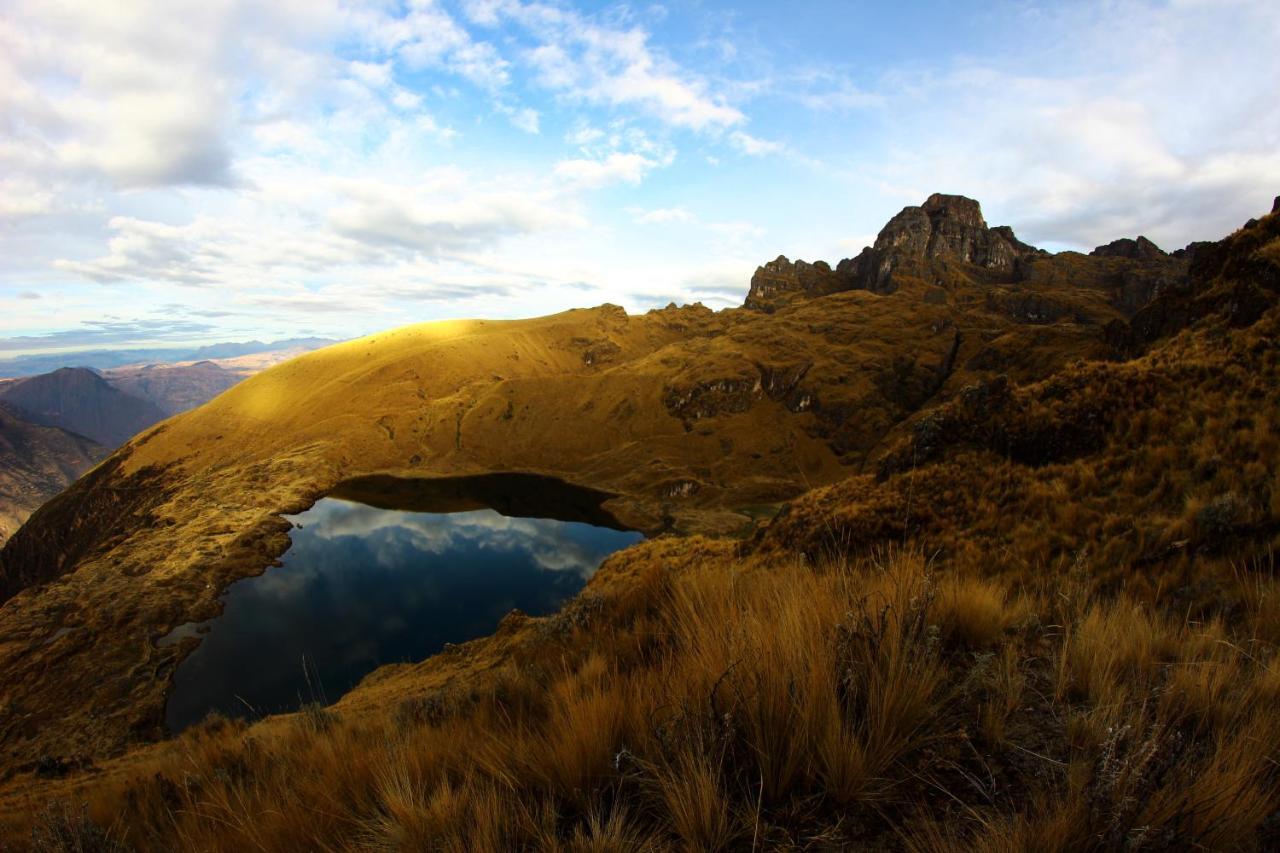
[(187, 171)]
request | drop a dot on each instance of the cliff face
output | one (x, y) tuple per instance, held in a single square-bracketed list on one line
[(946, 229), (780, 278)]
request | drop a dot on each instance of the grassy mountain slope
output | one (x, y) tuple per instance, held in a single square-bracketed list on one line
[(1028, 605)]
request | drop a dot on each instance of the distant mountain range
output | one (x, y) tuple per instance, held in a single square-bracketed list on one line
[(79, 400), (29, 365), (175, 388), (56, 425)]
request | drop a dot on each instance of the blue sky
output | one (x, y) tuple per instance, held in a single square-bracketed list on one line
[(184, 172)]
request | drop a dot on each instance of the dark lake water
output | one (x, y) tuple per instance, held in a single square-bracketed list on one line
[(362, 586)]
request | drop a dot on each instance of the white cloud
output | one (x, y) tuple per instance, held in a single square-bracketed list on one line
[(1118, 129), (212, 251), (615, 168), (428, 37), (597, 64), (837, 95), (21, 197), (115, 102), (525, 119), (583, 135), (375, 75), (406, 100), (425, 124), (664, 215), (143, 93), (435, 217), (753, 146)]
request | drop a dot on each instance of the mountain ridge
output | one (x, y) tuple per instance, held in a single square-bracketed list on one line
[(688, 417)]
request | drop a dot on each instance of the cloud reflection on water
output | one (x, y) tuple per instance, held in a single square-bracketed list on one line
[(553, 545), (362, 586)]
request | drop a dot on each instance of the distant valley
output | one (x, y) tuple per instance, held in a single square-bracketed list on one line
[(30, 365), (55, 425)]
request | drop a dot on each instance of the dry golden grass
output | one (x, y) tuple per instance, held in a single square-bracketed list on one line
[(1087, 660), (763, 705)]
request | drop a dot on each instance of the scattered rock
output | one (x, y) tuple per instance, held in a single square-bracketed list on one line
[(681, 489), (708, 399)]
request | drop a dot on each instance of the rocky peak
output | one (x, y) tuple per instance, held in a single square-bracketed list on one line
[(950, 227), (776, 280), (947, 228), (1140, 249), (957, 209)]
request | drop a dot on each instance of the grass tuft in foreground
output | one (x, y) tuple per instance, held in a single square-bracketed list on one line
[(765, 705)]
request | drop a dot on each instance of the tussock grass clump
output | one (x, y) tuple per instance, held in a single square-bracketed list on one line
[(734, 704)]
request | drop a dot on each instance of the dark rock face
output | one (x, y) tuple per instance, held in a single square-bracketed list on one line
[(1030, 308), (1231, 277), (1140, 249), (780, 278), (944, 228), (947, 228), (950, 227), (731, 395)]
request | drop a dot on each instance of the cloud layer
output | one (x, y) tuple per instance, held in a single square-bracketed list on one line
[(337, 166)]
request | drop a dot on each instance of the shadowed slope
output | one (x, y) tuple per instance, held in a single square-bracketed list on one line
[(78, 400), (36, 462)]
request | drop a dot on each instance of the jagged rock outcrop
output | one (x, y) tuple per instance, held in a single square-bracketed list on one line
[(780, 278), (946, 228), (951, 227), (1140, 249), (1234, 278)]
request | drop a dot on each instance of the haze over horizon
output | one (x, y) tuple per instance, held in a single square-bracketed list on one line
[(179, 173)]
